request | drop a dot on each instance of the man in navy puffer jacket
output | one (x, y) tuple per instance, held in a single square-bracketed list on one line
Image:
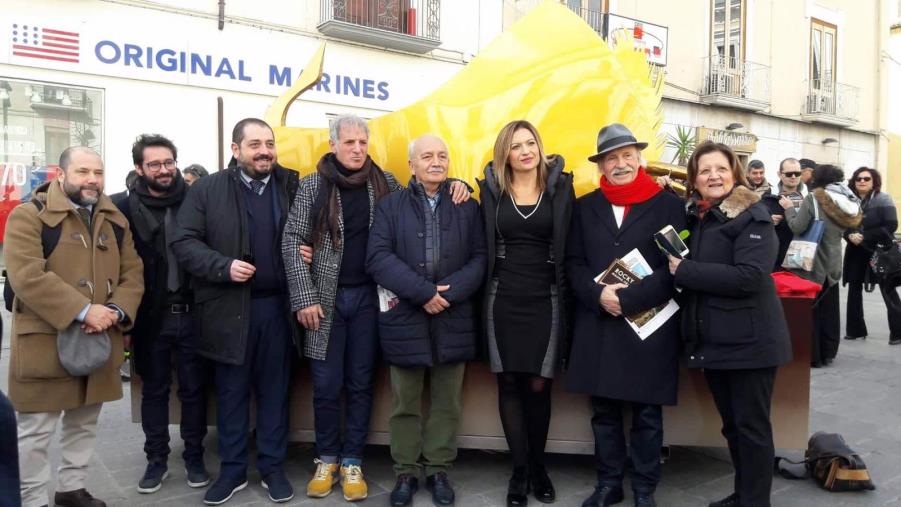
[(429, 258)]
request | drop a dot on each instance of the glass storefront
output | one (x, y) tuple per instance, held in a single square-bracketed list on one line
[(40, 120)]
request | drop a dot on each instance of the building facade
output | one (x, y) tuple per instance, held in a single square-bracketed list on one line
[(774, 79)]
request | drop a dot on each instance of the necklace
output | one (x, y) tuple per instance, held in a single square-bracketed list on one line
[(537, 204)]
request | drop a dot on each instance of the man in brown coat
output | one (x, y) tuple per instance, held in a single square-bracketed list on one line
[(93, 276)]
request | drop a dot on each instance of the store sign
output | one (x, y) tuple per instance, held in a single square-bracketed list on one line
[(648, 37), (242, 58), (738, 141)]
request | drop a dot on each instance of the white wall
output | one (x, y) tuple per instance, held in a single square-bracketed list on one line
[(183, 106)]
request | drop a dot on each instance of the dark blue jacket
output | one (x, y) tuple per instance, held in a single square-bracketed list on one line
[(409, 257), (731, 315)]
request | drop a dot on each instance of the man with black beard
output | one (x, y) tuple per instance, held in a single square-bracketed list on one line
[(165, 323), (229, 240)]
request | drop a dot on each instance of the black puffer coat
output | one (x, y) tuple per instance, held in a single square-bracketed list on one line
[(732, 317)]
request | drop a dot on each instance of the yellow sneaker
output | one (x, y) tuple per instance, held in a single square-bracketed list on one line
[(353, 484), (323, 479)]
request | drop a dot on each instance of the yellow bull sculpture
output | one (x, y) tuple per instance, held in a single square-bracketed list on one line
[(550, 68)]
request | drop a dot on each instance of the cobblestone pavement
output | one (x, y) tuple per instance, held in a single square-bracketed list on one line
[(858, 396)]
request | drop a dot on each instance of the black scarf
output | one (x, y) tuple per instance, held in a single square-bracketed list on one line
[(149, 228), (326, 208)]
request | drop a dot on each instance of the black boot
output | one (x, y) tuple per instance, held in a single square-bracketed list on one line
[(518, 488), (542, 487)]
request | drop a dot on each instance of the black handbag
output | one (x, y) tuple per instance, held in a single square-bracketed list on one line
[(831, 463), (886, 265)]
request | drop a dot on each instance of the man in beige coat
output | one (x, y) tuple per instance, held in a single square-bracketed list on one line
[(94, 276)]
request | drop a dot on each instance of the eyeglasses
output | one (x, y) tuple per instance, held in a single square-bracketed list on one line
[(156, 166), (792, 174), (863, 178)]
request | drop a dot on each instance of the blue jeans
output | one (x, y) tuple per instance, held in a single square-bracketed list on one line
[(645, 442), (266, 369), (10, 495), (177, 335), (349, 365)]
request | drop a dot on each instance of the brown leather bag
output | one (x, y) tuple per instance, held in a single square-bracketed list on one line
[(832, 464)]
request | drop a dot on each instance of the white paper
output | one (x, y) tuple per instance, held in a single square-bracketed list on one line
[(387, 299), (639, 265)]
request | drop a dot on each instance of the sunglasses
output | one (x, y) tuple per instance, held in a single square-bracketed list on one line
[(791, 175), (863, 178)]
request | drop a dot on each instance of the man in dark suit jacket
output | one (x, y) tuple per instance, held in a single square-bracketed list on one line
[(609, 361), (229, 239)]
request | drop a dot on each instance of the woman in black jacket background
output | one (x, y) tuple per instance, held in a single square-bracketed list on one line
[(880, 220), (527, 201), (732, 321)]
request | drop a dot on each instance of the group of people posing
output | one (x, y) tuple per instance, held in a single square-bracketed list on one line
[(348, 265)]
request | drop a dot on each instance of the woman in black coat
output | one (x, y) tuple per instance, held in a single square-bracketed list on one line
[(880, 220), (526, 205), (732, 321)]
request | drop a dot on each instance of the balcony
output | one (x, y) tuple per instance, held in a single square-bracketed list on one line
[(735, 83), (595, 19), (831, 102), (406, 25)]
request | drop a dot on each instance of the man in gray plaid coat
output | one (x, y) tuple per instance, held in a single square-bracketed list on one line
[(335, 299)]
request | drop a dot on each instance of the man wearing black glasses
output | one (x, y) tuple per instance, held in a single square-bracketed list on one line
[(790, 186), (164, 325)]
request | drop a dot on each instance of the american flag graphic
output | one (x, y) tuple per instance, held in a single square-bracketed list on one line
[(45, 43)]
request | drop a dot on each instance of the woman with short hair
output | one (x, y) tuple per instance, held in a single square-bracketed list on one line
[(880, 220), (733, 326)]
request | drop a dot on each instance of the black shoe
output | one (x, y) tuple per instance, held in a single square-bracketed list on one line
[(403, 491), (643, 499), (518, 488), (542, 487), (604, 496), (442, 492), (154, 475), (77, 498), (729, 501), (196, 475), (278, 486), (223, 489), (894, 341), (864, 337)]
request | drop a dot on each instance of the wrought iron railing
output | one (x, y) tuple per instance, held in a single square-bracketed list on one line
[(831, 98), (419, 18), (736, 78)]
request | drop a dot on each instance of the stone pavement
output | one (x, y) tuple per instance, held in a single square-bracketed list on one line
[(858, 396)]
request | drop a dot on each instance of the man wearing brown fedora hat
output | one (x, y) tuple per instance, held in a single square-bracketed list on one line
[(609, 361)]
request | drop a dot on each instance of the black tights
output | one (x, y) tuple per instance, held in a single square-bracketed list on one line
[(524, 401)]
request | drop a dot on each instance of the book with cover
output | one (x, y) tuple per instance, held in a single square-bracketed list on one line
[(624, 271)]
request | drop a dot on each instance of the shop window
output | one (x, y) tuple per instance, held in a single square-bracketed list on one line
[(38, 122)]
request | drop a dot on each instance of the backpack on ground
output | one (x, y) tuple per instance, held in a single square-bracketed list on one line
[(49, 240)]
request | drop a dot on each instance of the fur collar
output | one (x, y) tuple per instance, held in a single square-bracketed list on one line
[(834, 212), (740, 199)]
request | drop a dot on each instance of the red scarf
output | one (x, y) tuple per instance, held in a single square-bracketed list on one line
[(642, 188)]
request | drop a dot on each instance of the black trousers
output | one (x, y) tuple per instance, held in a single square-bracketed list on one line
[(645, 442), (827, 326), (743, 398), (9, 455), (856, 326), (177, 338)]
